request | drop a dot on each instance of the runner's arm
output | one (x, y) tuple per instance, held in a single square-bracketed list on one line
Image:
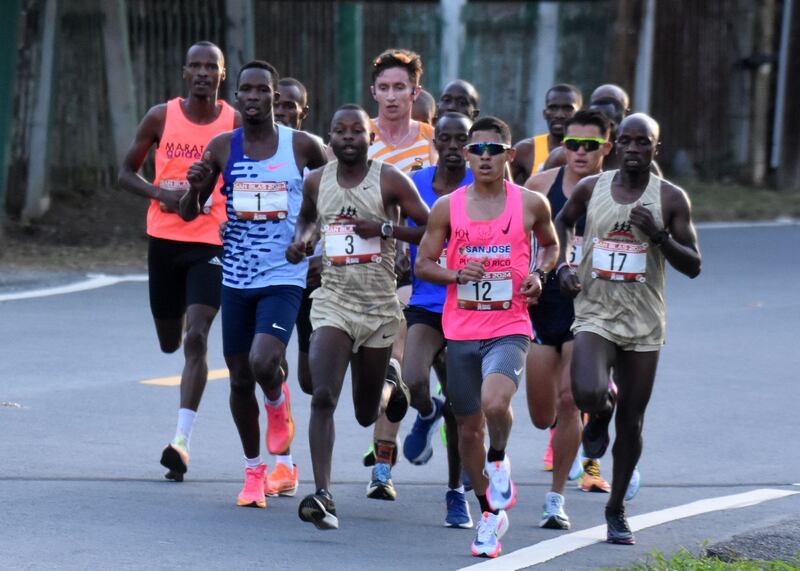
[(305, 231), (679, 244), (148, 134), (430, 248), (571, 212), (544, 231), (411, 206), (202, 177), (312, 149), (523, 159), (556, 158)]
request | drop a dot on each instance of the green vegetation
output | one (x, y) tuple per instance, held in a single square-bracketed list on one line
[(723, 201), (686, 561)]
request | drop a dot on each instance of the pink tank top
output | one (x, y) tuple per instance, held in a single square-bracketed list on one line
[(492, 307)]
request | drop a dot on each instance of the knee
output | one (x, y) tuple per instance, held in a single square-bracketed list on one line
[(195, 342), (366, 417), (589, 399), (495, 408), (470, 436), (265, 365), (418, 387), (242, 384), (629, 422), (323, 400), (542, 422), (566, 405)]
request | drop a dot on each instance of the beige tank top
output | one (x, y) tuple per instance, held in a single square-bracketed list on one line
[(357, 274), (621, 272)]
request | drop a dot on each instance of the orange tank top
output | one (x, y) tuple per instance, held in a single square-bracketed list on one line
[(181, 145)]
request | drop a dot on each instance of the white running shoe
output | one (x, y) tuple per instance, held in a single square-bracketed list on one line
[(491, 528), (554, 516), (501, 493), (633, 485)]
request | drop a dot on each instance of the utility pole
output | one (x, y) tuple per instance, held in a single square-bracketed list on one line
[(349, 51), (8, 72)]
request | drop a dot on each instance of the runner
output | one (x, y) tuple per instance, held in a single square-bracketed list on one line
[(407, 144), (561, 102), (424, 108), (183, 259), (548, 374), (261, 165), (634, 222), (356, 313), (487, 227), (425, 342), (460, 96)]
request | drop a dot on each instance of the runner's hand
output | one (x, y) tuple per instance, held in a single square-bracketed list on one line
[(531, 288), (402, 265), (170, 199), (568, 282), (642, 218), (200, 171), (296, 252), (473, 271), (366, 228)]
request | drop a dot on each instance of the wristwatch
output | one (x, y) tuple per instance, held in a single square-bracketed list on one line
[(387, 229), (660, 237), (541, 274)]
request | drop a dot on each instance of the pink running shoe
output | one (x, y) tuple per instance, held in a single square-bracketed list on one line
[(280, 424), (252, 494), (547, 459)]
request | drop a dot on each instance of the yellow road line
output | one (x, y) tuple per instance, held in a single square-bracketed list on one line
[(175, 381)]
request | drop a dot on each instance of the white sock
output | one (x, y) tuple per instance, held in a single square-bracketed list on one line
[(459, 489), (186, 418), (285, 460), (432, 413), (274, 403), (253, 462)]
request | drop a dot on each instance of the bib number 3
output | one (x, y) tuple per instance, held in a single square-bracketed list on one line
[(344, 247)]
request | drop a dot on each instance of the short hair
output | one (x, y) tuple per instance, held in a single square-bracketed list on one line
[(350, 107), (492, 124), (566, 88), (453, 115), (292, 82), (406, 59), (207, 44), (590, 117), (261, 64)]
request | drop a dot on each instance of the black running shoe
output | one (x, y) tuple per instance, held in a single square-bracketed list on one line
[(618, 530), (401, 397), (320, 510), (595, 433)]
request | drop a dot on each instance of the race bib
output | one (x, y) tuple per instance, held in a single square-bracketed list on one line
[(261, 201), (576, 255), (182, 185), (492, 293), (619, 261), (344, 247)]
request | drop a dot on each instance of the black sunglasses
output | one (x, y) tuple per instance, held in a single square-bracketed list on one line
[(491, 148), (590, 144)]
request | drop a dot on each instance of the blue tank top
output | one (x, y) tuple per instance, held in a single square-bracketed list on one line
[(557, 200), (262, 201), (425, 294)]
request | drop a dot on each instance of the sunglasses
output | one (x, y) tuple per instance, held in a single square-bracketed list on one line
[(491, 148), (590, 144)]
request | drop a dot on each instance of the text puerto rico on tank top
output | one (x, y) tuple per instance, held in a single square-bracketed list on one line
[(494, 306), (182, 144)]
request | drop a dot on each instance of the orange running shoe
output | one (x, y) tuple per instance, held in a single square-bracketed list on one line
[(252, 494), (547, 459), (280, 424), (281, 481), (592, 481)]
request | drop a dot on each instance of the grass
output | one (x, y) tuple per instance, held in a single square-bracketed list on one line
[(683, 560), (721, 201)]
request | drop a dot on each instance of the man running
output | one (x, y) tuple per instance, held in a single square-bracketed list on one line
[(183, 259), (548, 372), (459, 96), (634, 222), (425, 344), (261, 165), (356, 313), (487, 227), (407, 144), (561, 102)]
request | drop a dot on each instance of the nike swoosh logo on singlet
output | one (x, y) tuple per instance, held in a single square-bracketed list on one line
[(508, 227), (275, 167)]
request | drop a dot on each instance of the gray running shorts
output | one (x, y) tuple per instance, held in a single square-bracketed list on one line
[(469, 362)]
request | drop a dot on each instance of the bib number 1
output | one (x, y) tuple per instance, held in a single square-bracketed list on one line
[(261, 201)]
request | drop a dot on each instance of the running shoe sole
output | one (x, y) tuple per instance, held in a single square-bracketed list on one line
[(595, 489), (380, 492), (398, 405), (621, 540), (509, 502), (174, 476), (423, 458), (466, 525), (312, 511), (553, 522), (488, 554), (172, 460), (251, 504), (290, 493)]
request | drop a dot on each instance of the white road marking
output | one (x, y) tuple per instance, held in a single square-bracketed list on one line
[(92, 281), (745, 224), (552, 548)]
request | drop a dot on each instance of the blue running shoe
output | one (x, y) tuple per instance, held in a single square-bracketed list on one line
[(457, 510), (417, 446), (381, 486), (633, 485)]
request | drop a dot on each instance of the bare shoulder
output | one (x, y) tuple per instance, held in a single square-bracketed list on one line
[(542, 181), (533, 200), (673, 195), (314, 177), (586, 185), (392, 175), (525, 145)]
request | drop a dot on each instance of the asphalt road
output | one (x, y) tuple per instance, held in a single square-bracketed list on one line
[(80, 483)]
